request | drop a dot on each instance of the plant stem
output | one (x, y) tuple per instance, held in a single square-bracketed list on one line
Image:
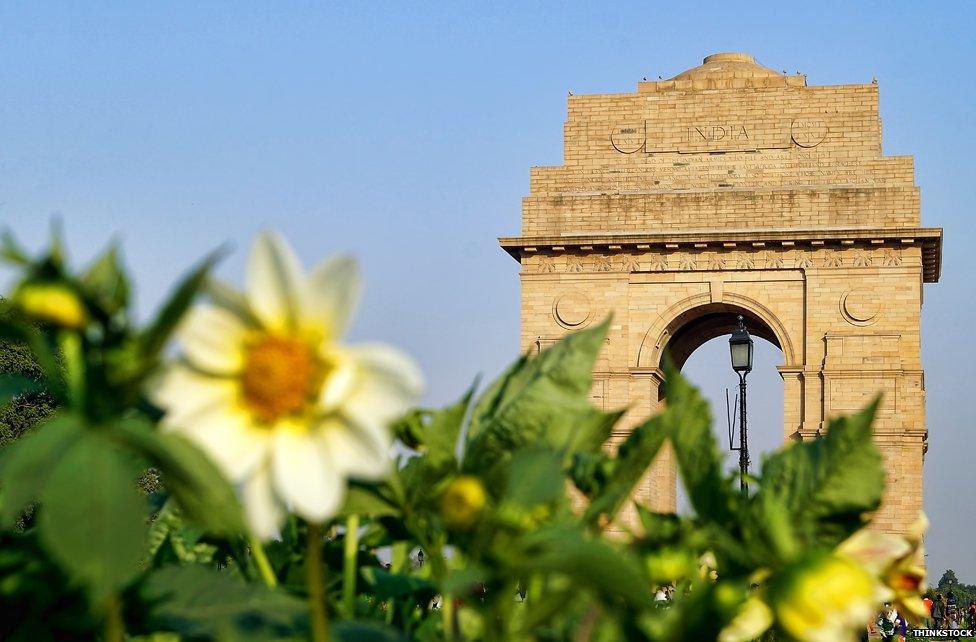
[(350, 559), (114, 626), (316, 585), (447, 616), (74, 368), (261, 561)]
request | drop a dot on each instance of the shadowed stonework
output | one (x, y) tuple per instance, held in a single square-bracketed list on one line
[(734, 189)]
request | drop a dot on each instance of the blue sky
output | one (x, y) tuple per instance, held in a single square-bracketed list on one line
[(404, 133)]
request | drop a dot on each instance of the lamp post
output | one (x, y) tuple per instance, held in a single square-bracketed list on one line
[(740, 345)]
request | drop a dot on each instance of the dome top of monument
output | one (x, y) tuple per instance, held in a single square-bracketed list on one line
[(728, 65)]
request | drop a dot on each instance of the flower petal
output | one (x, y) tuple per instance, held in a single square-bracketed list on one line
[(333, 294), (227, 436), (304, 475), (355, 453), (389, 383), (263, 510), (340, 382), (213, 340), (181, 391), (275, 282), (751, 622)]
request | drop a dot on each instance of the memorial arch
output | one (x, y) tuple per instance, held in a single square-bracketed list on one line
[(734, 189)]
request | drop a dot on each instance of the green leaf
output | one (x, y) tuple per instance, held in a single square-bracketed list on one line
[(633, 458), (388, 585), (541, 400), (364, 632), (687, 421), (440, 433), (827, 486), (154, 337), (93, 517), (592, 563), (26, 465), (11, 251), (368, 500), (193, 480), (200, 602), (534, 477), (435, 432), (105, 282)]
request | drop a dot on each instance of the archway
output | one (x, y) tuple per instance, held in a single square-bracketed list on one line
[(695, 339)]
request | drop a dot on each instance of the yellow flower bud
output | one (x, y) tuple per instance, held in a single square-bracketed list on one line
[(52, 303), (462, 502), (824, 597)]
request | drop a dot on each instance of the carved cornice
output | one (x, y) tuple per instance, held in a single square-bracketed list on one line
[(929, 239)]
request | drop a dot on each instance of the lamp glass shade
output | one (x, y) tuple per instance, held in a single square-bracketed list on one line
[(741, 355)]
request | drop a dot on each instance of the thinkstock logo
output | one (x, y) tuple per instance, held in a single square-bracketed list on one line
[(942, 633)]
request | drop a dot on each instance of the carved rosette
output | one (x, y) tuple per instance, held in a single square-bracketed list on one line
[(861, 306), (572, 309)]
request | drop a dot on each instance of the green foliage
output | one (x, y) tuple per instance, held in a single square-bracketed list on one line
[(96, 530), (539, 549)]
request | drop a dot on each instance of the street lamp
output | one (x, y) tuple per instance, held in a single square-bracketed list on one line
[(740, 345)]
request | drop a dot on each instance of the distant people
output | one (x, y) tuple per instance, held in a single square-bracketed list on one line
[(939, 611), (972, 614), (888, 623), (953, 619), (927, 601), (660, 597)]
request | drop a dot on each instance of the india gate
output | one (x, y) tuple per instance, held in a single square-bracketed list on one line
[(735, 189)]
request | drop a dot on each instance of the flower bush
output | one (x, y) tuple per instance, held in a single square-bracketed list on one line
[(284, 513)]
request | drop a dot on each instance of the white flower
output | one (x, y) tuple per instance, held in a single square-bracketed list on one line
[(264, 387)]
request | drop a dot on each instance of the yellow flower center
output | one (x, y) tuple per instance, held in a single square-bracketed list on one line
[(281, 375)]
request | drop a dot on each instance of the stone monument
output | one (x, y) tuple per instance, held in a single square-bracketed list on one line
[(735, 189)]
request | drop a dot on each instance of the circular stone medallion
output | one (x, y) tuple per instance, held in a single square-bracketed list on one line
[(572, 309), (808, 132), (861, 306), (627, 139)]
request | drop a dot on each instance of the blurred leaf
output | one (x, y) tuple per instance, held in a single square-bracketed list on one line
[(11, 251), (633, 459), (687, 422), (200, 602), (154, 337), (388, 585), (364, 632), (534, 477), (26, 465), (105, 282), (193, 480), (827, 486), (93, 517), (366, 499), (541, 400), (440, 433), (593, 563)]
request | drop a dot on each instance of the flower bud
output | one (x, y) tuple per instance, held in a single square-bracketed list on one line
[(52, 303), (462, 502)]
